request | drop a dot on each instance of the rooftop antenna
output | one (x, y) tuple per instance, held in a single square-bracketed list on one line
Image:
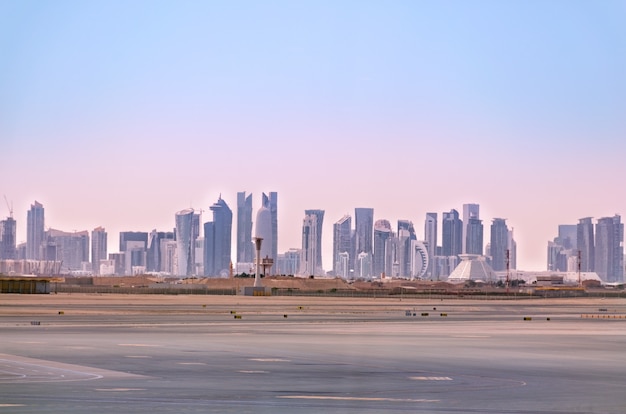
[(9, 206)]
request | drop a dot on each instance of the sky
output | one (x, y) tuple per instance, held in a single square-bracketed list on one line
[(120, 113)]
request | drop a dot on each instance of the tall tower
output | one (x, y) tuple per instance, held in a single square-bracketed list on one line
[(217, 240), (452, 234), (430, 234), (185, 242), (245, 245), (98, 248), (470, 211), (364, 226), (585, 243), (609, 250), (499, 244), (342, 243), (319, 220), (271, 202), (382, 233), (8, 247), (34, 231), (473, 236), (308, 261)]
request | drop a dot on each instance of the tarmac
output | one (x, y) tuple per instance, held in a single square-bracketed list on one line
[(79, 353)]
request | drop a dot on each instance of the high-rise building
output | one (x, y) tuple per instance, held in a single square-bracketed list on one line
[(470, 211), (288, 263), (155, 251), (185, 242), (568, 235), (451, 234), (34, 231), (309, 265), (319, 220), (245, 245), (98, 248), (8, 247), (217, 240), (406, 234), (133, 245), (69, 248), (609, 249), (585, 244), (271, 202), (499, 244), (382, 233), (364, 232), (430, 233), (342, 242), (473, 236)]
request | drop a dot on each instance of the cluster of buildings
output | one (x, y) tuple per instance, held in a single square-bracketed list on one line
[(363, 248), (584, 247)]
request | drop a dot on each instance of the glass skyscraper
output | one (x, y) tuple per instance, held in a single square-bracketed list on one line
[(342, 243), (98, 248), (499, 244), (245, 245), (185, 242), (217, 240), (34, 231), (452, 234)]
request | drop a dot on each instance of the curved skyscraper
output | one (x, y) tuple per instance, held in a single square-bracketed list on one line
[(185, 242)]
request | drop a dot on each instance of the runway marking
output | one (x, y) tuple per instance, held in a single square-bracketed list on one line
[(331, 397), (269, 360), (191, 363), (137, 356), (253, 372), (119, 389), (139, 345), (12, 405), (431, 378)]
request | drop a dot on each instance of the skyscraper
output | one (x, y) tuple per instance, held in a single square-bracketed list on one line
[(185, 242), (69, 248), (8, 247), (342, 242), (585, 243), (470, 211), (308, 261), (364, 227), (245, 245), (473, 236), (319, 221), (382, 233), (34, 231), (217, 240), (609, 250), (499, 244), (430, 234), (452, 234), (133, 245), (156, 250), (98, 248), (271, 202)]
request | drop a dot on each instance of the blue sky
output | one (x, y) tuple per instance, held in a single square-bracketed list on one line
[(121, 113)]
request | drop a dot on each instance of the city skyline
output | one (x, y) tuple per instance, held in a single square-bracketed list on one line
[(140, 239), (121, 114)]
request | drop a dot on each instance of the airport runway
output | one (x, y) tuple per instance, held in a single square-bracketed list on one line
[(189, 354)]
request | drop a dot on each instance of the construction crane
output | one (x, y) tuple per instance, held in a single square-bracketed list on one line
[(9, 206)]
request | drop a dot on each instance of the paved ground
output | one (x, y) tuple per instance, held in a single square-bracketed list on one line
[(188, 354)]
